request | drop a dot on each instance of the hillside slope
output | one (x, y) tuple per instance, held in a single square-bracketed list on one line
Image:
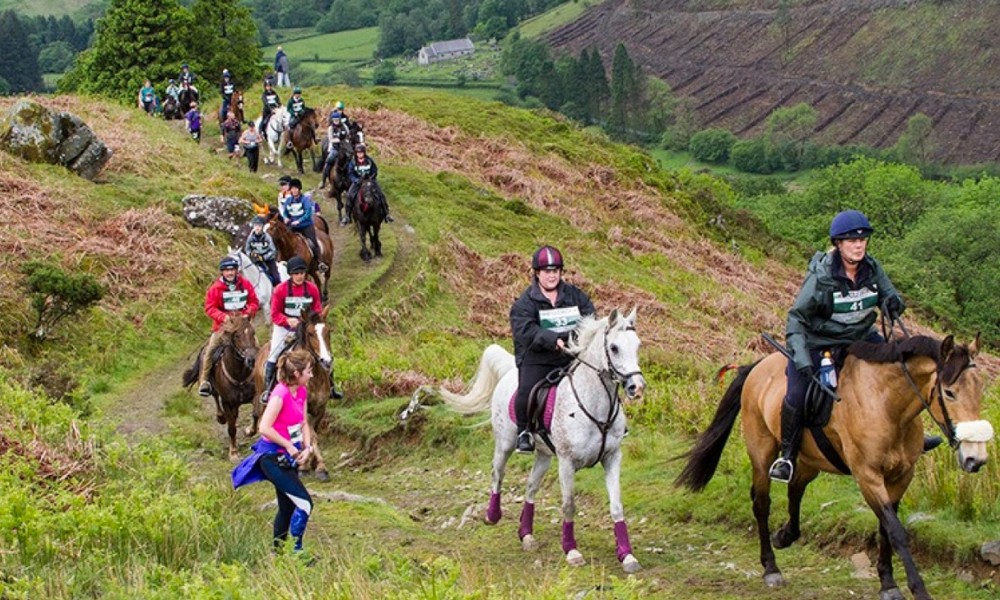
[(866, 66)]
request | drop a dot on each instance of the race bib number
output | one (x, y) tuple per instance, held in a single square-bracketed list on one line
[(364, 169), (235, 300), (559, 320), (294, 305), (854, 306), (296, 210), (295, 434)]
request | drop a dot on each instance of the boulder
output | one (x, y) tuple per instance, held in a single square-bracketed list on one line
[(38, 134), (990, 551), (222, 213)]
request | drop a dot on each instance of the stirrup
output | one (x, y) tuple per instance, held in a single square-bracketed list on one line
[(776, 474), (525, 442)]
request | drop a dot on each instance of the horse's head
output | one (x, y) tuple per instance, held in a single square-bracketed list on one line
[(239, 333), (313, 335), (614, 342), (956, 404)]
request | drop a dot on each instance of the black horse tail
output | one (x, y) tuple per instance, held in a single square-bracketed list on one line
[(703, 459), (191, 374)]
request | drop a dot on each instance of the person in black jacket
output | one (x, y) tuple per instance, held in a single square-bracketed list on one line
[(541, 320)]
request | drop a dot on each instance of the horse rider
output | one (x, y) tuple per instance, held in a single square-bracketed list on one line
[(289, 299), (186, 76), (335, 132), (541, 320), (349, 123), (296, 107), (147, 97), (270, 100), (297, 210), (227, 87), (261, 249), (283, 190), (173, 90), (230, 294), (190, 91), (361, 166), (834, 308)]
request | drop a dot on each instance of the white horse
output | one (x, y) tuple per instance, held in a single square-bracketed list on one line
[(588, 423), (262, 285), (276, 125)]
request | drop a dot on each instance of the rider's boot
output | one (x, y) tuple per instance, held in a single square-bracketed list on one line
[(269, 375), (931, 442), (783, 469), (204, 386), (525, 440), (326, 175)]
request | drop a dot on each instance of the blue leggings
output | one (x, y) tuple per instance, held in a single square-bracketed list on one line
[(294, 502)]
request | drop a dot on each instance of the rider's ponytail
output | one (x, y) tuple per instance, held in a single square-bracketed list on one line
[(292, 362)]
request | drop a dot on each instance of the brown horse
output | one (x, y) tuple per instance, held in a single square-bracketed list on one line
[(303, 136), (313, 335), (875, 431), (291, 244), (232, 375), (339, 183), (369, 211)]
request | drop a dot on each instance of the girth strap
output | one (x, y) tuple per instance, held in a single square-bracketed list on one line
[(829, 452)]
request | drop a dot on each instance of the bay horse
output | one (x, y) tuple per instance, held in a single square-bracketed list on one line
[(186, 97), (875, 431), (368, 213), (276, 126), (338, 181), (290, 243), (172, 108), (587, 425), (303, 136), (232, 375), (313, 335)]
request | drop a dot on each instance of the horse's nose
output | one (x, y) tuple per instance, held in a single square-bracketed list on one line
[(972, 464), (635, 386), (327, 363)]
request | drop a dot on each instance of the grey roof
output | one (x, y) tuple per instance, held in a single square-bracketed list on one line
[(449, 46)]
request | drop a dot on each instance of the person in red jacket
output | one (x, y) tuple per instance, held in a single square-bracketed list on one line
[(230, 294), (290, 299)]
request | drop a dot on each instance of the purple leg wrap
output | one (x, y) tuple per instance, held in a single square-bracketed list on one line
[(527, 520), (568, 537), (493, 510), (623, 546)]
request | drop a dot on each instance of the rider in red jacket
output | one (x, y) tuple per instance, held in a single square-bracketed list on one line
[(230, 294)]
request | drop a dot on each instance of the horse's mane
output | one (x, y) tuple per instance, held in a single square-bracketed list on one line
[(309, 317), (896, 351), (586, 329), (233, 324)]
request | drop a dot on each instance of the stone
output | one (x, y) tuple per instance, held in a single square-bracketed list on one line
[(222, 213), (990, 551), (37, 134)]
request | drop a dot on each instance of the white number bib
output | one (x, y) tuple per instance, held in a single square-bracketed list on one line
[(559, 320)]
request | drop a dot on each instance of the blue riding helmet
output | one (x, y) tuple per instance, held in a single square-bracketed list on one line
[(850, 224), (228, 262), (336, 115)]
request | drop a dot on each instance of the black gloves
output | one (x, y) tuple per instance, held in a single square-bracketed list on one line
[(894, 307)]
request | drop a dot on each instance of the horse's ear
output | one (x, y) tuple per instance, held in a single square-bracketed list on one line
[(613, 318), (947, 347), (974, 346), (631, 316), (326, 309)]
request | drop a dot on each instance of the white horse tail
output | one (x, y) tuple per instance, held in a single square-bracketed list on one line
[(496, 363)]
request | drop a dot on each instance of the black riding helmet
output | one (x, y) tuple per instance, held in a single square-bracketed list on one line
[(296, 264), (284, 180)]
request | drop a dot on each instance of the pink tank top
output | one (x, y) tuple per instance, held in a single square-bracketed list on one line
[(288, 423)]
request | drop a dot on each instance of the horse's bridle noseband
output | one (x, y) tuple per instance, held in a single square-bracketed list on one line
[(948, 426)]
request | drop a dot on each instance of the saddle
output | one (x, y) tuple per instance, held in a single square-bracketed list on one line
[(541, 405), (817, 404)]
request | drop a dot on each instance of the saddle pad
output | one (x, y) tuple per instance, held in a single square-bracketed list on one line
[(550, 406)]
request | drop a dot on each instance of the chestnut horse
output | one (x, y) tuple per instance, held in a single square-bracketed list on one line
[(232, 375), (303, 136), (291, 244), (313, 335), (368, 213), (875, 431)]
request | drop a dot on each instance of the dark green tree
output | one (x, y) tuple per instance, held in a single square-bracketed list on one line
[(56, 294), (598, 90), (625, 92), (18, 58), (136, 39), (225, 37)]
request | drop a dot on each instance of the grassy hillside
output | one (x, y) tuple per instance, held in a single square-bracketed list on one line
[(554, 17), (56, 8), (475, 188), (321, 53)]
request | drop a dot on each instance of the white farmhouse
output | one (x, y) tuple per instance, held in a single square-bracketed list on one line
[(438, 51)]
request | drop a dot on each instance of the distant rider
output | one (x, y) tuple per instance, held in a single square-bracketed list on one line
[(227, 88), (186, 76), (173, 90), (270, 101), (230, 294), (296, 211), (361, 166), (335, 132), (261, 249)]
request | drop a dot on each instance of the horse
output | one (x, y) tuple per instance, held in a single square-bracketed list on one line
[(874, 433), (262, 285), (186, 98), (368, 212), (303, 136), (587, 426), (313, 335), (291, 244), (275, 128), (232, 375), (172, 108), (338, 181)]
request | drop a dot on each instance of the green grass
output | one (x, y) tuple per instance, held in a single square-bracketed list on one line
[(320, 52), (554, 17), (56, 8)]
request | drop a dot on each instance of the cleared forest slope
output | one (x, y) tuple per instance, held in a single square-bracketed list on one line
[(866, 66)]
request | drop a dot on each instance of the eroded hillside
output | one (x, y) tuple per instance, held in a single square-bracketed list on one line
[(867, 66)]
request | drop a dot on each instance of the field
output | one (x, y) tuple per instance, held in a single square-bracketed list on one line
[(866, 72), (554, 17), (119, 489), (56, 8), (320, 53)]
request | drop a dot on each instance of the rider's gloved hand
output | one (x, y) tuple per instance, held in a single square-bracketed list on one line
[(894, 306)]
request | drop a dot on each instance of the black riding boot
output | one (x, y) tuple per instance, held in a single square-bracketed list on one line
[(335, 394), (931, 442), (525, 440), (783, 469), (269, 375), (326, 175)]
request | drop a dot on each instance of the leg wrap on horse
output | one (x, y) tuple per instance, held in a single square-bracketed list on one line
[(493, 512), (527, 520), (568, 537), (622, 544)]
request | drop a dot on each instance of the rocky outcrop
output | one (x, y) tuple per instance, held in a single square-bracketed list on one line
[(221, 213), (38, 134), (990, 552)]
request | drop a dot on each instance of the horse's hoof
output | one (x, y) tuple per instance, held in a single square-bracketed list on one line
[(529, 543), (783, 538), (631, 564), (322, 475), (773, 580), (248, 431), (890, 594), (575, 559), (234, 457)]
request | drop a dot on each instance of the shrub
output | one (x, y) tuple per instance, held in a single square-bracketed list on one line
[(712, 145), (56, 294), (385, 73), (751, 156)]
